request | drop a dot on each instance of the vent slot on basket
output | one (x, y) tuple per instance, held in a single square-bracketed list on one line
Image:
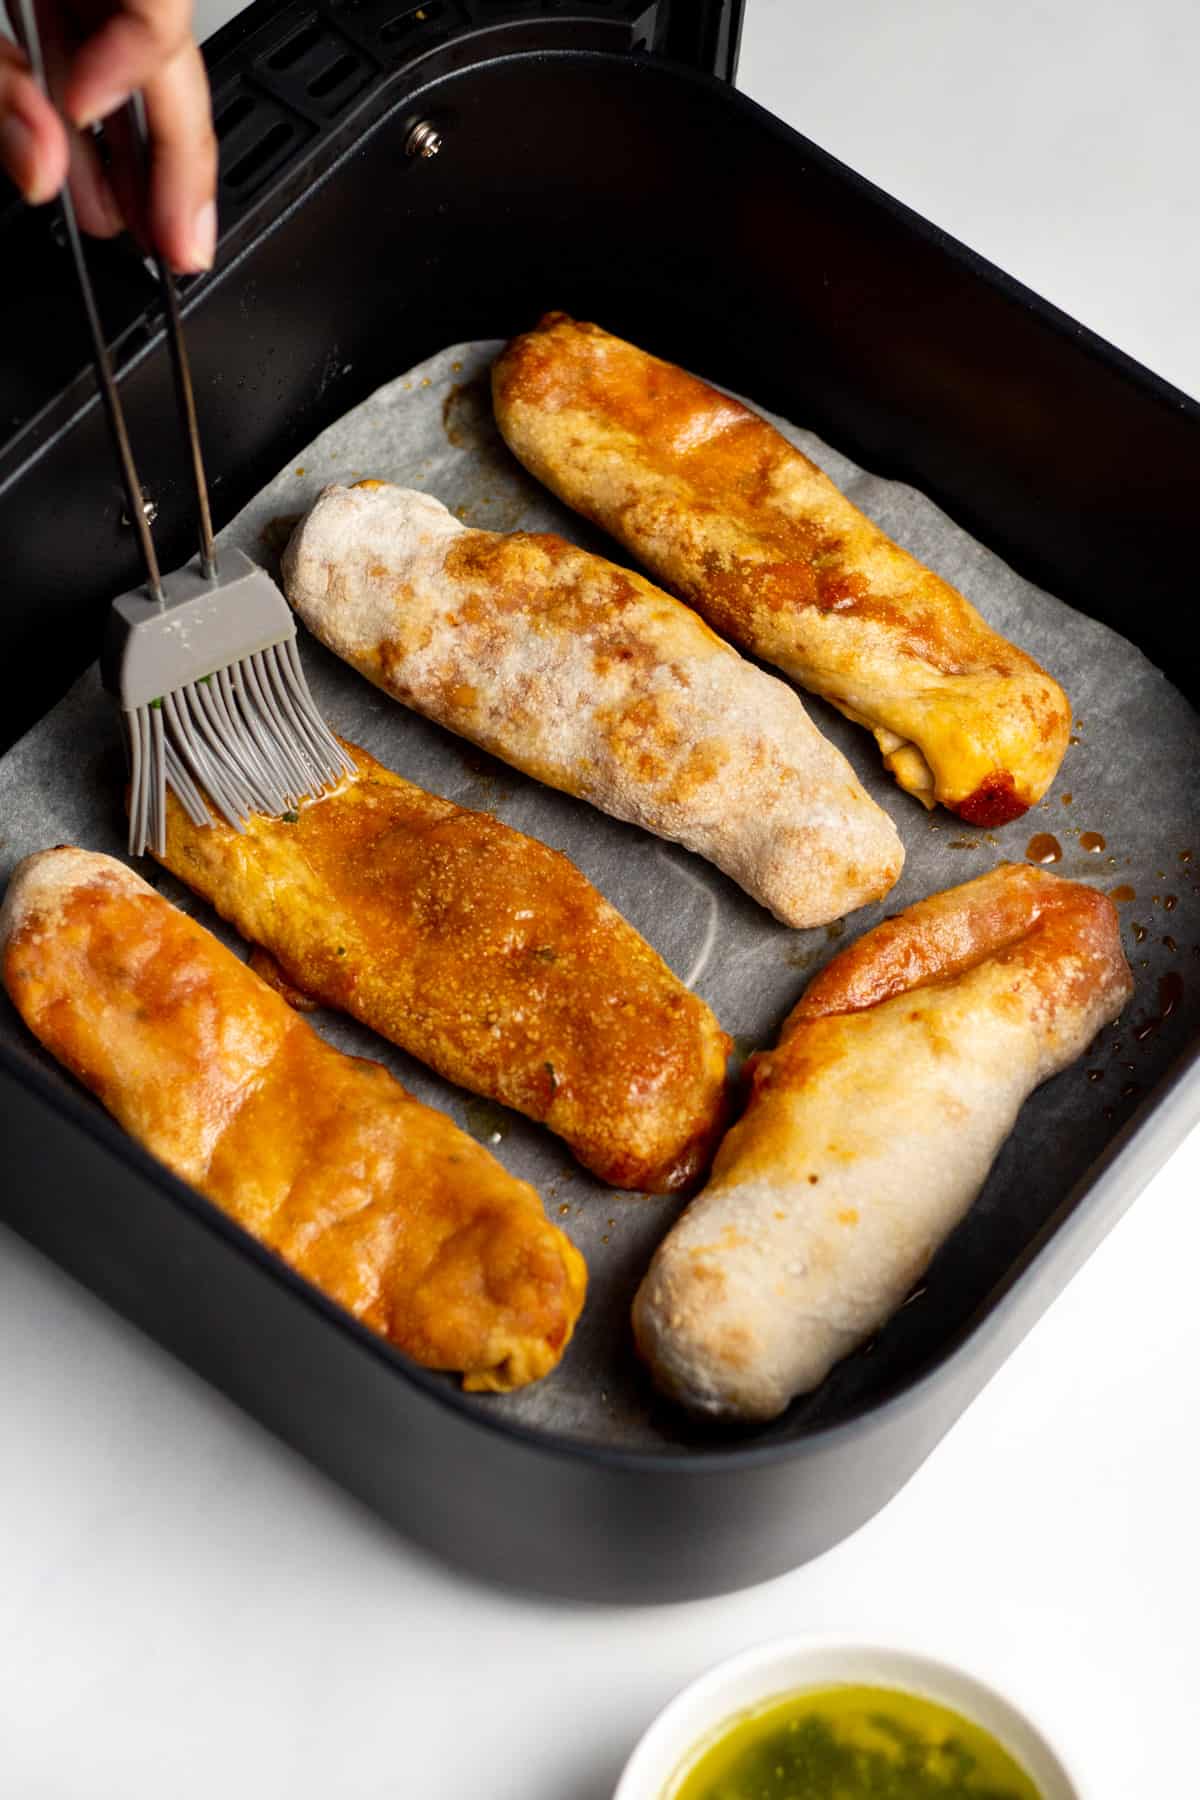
[(229, 117), (289, 54), (254, 161), (316, 68), (257, 136), (413, 20), (334, 77)]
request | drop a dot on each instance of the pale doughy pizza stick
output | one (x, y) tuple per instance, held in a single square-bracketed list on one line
[(869, 1132), (595, 682), (380, 1202), (482, 952), (728, 515)]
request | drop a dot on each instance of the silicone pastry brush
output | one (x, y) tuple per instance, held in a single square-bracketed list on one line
[(203, 662)]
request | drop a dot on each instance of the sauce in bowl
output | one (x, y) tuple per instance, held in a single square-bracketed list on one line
[(852, 1743)]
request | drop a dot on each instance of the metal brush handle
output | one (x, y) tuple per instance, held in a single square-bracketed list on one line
[(105, 377), (184, 396)]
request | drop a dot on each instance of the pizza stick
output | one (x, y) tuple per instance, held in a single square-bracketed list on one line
[(593, 681), (482, 952), (727, 514), (869, 1131), (380, 1202)]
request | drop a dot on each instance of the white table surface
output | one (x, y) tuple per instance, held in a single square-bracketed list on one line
[(186, 1608)]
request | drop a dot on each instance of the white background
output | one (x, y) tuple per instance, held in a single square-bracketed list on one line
[(187, 1609)]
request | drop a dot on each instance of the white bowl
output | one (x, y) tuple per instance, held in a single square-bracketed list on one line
[(772, 1671)]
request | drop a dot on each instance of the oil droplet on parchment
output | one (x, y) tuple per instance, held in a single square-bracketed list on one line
[(1043, 848)]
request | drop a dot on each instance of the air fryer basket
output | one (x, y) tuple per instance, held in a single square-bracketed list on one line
[(664, 205)]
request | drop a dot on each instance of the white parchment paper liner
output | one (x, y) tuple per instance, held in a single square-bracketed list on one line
[(1131, 775)]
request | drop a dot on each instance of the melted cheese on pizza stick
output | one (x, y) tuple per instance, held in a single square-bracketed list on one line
[(869, 1132), (728, 515), (380, 1202), (593, 681), (482, 952)]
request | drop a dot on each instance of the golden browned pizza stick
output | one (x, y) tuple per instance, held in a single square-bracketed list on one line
[(731, 517), (869, 1132), (595, 682), (482, 952), (382, 1203)]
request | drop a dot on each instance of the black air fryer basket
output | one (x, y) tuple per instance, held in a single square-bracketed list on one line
[(595, 158)]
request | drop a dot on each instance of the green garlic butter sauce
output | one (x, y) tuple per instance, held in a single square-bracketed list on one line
[(853, 1743)]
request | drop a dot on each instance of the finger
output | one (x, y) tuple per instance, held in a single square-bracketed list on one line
[(33, 144), (183, 163), (127, 174), (127, 53), (96, 204)]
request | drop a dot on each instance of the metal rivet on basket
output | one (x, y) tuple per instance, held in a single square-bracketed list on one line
[(423, 140), (149, 507)]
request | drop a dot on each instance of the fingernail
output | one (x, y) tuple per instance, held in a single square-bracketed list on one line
[(204, 236), (16, 153), (102, 109)]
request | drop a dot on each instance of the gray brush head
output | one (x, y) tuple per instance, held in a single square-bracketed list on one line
[(214, 701)]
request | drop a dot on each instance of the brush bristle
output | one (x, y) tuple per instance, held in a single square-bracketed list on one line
[(249, 737)]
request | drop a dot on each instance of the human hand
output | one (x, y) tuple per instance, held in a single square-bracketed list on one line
[(98, 53)]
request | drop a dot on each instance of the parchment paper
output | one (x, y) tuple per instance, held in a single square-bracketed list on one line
[(1131, 776)]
